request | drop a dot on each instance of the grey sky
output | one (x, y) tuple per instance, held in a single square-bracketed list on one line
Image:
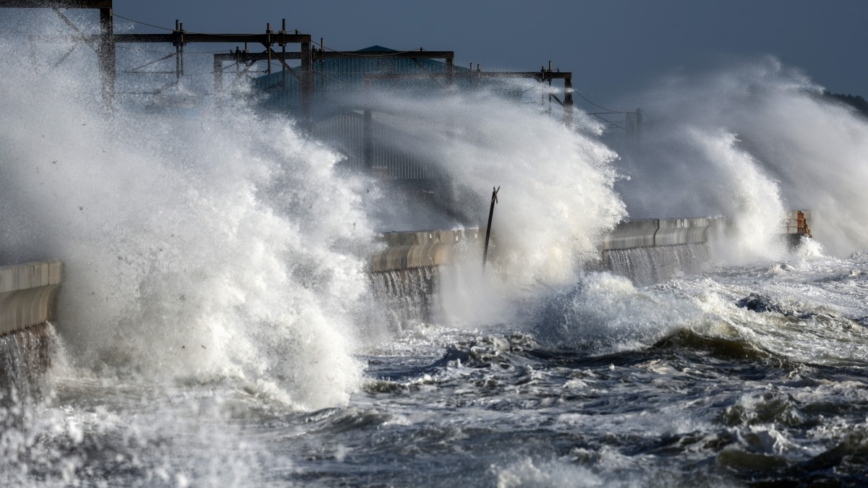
[(612, 47)]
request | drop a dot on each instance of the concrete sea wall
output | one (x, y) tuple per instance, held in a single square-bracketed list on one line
[(28, 293), (405, 275), (653, 250), (28, 297), (633, 234), (409, 250)]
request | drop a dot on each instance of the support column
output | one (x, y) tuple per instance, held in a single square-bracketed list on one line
[(268, 45), (568, 102), (367, 141), (218, 75), (282, 43), (107, 57), (306, 85), (450, 71), (179, 50), (549, 107)]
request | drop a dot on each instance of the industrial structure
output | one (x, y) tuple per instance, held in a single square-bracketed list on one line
[(305, 79)]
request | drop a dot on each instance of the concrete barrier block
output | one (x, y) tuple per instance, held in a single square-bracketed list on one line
[(424, 237), (20, 309), (7, 313), (675, 232), (631, 234), (697, 235), (448, 236), (399, 238), (432, 254), (672, 232), (28, 293), (28, 276), (8, 279), (472, 234), (389, 259), (55, 272), (407, 257), (442, 254)]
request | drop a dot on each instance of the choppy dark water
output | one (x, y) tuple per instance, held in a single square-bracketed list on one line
[(739, 377)]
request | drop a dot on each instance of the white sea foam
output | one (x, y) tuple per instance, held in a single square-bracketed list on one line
[(220, 244), (748, 141), (556, 195)]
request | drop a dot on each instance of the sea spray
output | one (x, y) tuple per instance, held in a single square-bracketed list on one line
[(223, 244), (557, 198), (613, 383), (746, 141), (747, 195)]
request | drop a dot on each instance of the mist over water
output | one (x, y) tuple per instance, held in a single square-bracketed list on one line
[(219, 326), (749, 141)]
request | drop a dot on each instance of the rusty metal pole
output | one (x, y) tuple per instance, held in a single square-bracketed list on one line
[(488, 230)]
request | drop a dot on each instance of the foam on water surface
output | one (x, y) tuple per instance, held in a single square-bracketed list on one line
[(219, 326)]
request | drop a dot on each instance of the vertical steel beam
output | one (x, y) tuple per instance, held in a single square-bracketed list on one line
[(182, 42), (306, 84), (367, 141), (177, 51), (218, 75), (268, 45), (107, 65), (450, 71), (549, 108), (282, 42), (568, 102)]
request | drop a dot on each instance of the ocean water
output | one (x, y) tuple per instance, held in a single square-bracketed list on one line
[(741, 376), (217, 325)]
